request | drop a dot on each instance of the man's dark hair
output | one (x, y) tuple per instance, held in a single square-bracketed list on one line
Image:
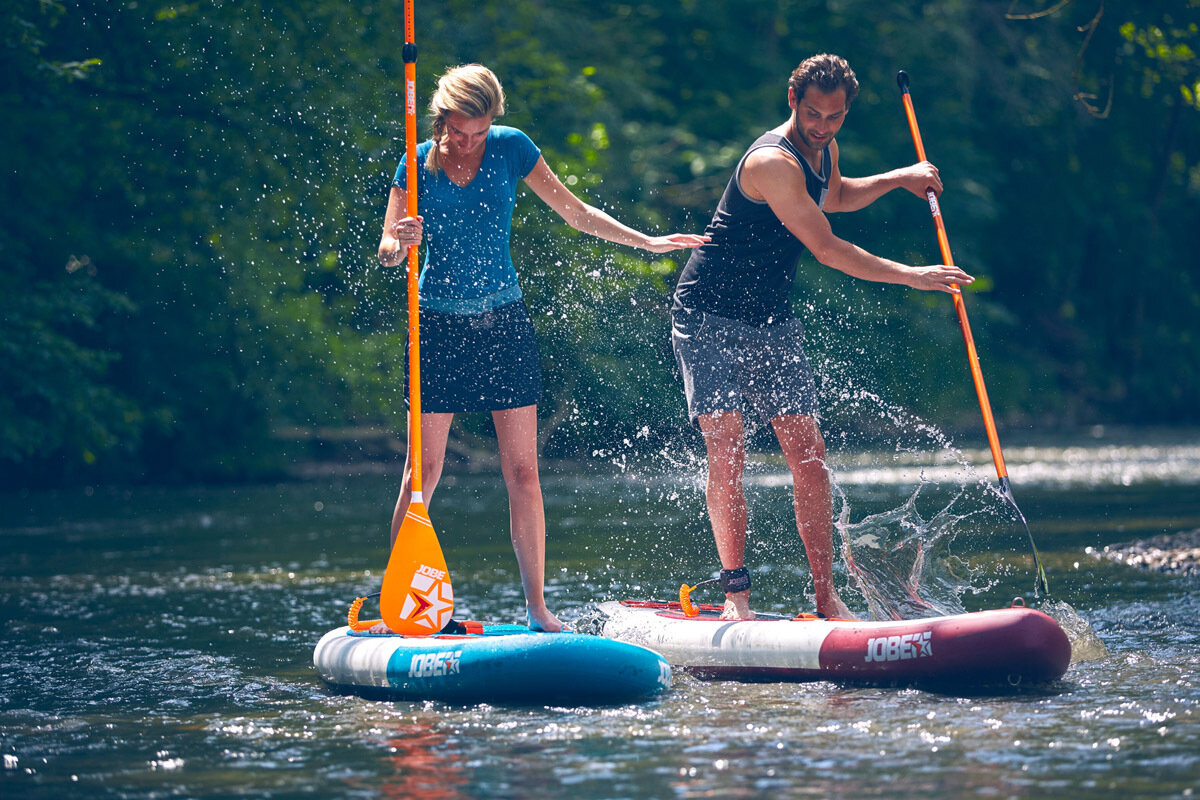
[(828, 73)]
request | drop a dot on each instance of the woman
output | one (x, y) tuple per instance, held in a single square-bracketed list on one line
[(478, 351)]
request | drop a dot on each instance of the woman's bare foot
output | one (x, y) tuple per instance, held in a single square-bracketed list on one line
[(380, 628), (543, 621), (737, 606)]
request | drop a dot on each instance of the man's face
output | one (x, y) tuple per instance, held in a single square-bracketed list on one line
[(818, 116)]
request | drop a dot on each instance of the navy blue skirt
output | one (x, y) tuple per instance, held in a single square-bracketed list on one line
[(478, 362)]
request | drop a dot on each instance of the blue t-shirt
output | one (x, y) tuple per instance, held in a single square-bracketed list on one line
[(468, 267)]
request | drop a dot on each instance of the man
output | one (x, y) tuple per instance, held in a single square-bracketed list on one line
[(733, 332)]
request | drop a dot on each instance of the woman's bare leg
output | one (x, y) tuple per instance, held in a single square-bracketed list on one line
[(516, 435)]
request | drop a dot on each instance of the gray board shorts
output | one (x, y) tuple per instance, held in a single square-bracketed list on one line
[(727, 363)]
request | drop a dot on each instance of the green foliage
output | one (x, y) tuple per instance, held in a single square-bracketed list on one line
[(56, 399), (197, 189)]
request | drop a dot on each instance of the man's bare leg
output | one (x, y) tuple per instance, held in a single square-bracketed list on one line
[(812, 499), (726, 498)]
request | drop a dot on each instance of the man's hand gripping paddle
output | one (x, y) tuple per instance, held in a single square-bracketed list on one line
[(1039, 585), (416, 598)]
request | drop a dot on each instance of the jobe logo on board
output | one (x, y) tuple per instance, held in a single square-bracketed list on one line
[(900, 648), (434, 665), (664, 675)]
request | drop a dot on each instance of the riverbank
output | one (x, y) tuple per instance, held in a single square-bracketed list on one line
[(1171, 553)]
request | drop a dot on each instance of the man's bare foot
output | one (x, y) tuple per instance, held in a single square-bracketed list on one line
[(737, 606), (380, 628), (835, 609)]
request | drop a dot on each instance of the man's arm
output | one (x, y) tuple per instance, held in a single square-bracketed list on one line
[(851, 194), (772, 175)]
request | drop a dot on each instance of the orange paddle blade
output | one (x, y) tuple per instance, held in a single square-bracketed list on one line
[(416, 598)]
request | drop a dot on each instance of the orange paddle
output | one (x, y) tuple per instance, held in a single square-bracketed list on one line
[(416, 597), (989, 423)]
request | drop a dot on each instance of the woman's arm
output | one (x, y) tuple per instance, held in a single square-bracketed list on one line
[(589, 219), (400, 231)]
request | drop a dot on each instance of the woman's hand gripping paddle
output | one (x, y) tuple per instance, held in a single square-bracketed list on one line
[(416, 597), (1039, 584)]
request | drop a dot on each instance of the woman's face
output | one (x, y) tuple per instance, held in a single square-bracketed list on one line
[(465, 135)]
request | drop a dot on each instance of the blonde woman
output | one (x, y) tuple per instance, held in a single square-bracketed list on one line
[(478, 349)]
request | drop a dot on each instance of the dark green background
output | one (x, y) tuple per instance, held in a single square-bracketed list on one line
[(194, 192)]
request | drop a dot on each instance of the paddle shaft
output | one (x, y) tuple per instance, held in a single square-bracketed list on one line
[(414, 315), (960, 309), (416, 597)]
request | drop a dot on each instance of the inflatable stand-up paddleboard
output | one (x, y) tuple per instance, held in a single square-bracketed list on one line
[(487, 663), (1003, 647)]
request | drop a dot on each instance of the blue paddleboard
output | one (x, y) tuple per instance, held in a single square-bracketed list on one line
[(491, 663)]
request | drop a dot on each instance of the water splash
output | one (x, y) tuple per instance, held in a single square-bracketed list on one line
[(1085, 644), (902, 564)]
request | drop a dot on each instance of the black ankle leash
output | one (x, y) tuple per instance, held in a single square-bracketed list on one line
[(735, 580)]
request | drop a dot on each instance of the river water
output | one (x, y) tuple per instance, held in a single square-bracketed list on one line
[(158, 642)]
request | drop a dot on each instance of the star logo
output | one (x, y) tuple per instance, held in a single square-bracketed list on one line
[(421, 604), (430, 601)]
